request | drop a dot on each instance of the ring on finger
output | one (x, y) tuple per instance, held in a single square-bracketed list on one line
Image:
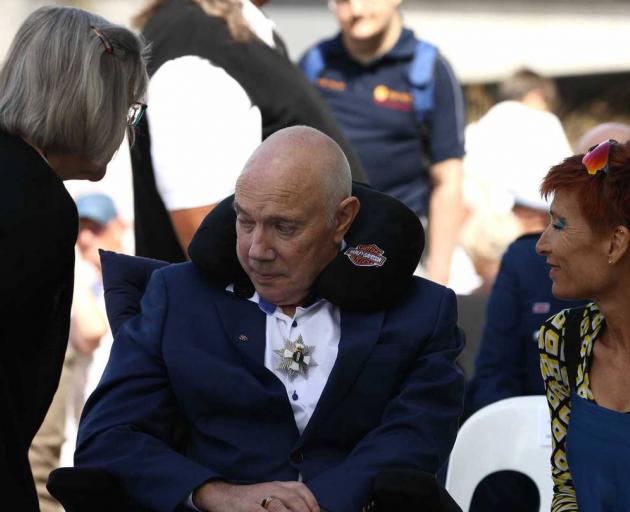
[(266, 501)]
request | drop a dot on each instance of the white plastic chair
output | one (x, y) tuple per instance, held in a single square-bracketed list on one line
[(512, 434)]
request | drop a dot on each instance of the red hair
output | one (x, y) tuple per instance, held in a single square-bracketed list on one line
[(604, 198)]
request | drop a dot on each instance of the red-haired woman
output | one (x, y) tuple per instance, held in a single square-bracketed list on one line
[(585, 352)]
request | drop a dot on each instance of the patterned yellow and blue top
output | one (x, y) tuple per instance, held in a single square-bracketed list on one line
[(551, 339)]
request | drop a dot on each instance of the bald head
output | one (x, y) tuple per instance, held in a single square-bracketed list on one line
[(616, 131), (304, 160), (293, 208)]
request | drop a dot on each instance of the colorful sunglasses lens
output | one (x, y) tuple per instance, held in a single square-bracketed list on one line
[(597, 158)]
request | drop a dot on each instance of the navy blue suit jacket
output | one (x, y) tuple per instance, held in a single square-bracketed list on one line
[(508, 363), (393, 398)]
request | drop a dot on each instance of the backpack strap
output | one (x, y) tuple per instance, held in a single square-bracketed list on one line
[(421, 73), (572, 342), (313, 63)]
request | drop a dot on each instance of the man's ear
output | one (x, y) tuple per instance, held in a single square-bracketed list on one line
[(346, 213), (619, 243)]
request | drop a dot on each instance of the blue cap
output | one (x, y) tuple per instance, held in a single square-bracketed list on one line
[(96, 207)]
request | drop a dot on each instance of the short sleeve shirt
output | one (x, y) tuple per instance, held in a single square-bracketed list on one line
[(374, 105)]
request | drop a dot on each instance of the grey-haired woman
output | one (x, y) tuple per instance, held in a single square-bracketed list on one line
[(69, 88)]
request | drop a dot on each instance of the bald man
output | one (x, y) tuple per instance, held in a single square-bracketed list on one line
[(292, 402)]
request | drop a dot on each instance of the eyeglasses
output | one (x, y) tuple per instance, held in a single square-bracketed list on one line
[(596, 158), (136, 111)]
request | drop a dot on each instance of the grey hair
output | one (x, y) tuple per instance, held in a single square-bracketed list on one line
[(62, 91)]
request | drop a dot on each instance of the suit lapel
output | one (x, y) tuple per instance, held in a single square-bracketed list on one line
[(245, 326), (359, 333)]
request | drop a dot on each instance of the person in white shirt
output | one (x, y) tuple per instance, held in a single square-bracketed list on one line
[(514, 144), (508, 152), (220, 84)]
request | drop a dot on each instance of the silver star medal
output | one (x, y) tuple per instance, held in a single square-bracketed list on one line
[(295, 358)]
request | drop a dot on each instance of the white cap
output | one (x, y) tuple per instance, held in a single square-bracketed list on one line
[(527, 194)]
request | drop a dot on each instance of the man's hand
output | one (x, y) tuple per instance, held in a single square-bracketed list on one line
[(219, 496)]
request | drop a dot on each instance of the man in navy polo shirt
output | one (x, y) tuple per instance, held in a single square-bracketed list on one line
[(409, 137)]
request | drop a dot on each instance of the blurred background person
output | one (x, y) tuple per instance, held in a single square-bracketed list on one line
[(100, 227), (616, 131), (45, 452), (484, 238), (507, 364), (402, 108), (66, 90), (220, 83), (486, 235), (508, 151), (522, 124), (585, 352)]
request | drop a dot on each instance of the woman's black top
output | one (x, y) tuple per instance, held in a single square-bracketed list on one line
[(38, 230)]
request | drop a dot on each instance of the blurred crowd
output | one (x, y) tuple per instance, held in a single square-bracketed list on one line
[(396, 107)]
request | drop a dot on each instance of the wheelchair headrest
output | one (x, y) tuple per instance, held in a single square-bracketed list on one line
[(124, 280), (384, 245)]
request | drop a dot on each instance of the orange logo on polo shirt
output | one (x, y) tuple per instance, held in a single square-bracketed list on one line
[(381, 93), (329, 83), (396, 100)]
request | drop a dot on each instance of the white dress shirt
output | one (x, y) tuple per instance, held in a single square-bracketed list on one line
[(319, 324)]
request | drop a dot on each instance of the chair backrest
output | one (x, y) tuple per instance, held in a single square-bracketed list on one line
[(512, 434)]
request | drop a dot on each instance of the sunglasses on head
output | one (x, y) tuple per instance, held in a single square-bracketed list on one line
[(596, 158)]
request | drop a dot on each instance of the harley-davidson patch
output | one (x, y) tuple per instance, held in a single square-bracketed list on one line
[(366, 255)]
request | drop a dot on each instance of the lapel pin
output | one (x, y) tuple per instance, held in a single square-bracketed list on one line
[(242, 337)]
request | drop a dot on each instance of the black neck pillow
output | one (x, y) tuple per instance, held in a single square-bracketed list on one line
[(384, 245)]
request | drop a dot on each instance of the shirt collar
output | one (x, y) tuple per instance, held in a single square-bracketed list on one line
[(311, 301), (596, 320), (263, 304), (269, 308), (405, 46), (262, 26)]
